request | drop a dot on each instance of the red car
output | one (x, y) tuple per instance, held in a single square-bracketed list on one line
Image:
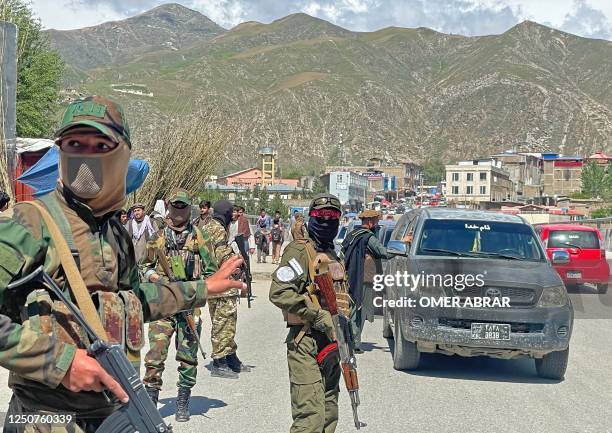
[(587, 259)]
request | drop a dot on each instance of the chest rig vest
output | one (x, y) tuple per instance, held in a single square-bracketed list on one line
[(183, 254), (319, 263)]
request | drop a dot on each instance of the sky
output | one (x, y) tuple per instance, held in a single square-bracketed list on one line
[(588, 18)]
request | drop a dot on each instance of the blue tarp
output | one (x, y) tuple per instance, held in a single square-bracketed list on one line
[(42, 177)]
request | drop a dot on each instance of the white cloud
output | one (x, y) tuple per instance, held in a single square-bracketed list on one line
[(591, 18)]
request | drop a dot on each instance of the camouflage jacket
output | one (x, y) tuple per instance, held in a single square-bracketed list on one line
[(33, 343), (222, 250)]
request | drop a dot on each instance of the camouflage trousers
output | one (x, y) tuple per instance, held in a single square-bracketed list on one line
[(15, 408), (223, 314), (160, 334)]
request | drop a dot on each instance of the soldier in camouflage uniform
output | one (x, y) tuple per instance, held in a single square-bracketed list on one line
[(41, 346), (189, 254), (313, 376), (223, 308)]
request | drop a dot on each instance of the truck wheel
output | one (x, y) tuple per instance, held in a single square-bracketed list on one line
[(406, 356), (602, 288), (553, 365), (387, 331)]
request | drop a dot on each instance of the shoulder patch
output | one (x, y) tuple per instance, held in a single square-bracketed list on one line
[(285, 274), (295, 265)]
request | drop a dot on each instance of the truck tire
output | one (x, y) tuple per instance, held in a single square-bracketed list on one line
[(387, 332), (602, 288), (553, 365), (405, 356)]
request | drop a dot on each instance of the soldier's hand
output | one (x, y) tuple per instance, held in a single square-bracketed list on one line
[(86, 374), (323, 323), (220, 281)]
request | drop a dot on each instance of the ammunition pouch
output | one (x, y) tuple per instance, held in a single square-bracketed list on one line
[(292, 319), (178, 267), (120, 313)]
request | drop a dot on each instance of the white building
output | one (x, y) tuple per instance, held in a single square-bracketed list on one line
[(348, 186), (478, 181)]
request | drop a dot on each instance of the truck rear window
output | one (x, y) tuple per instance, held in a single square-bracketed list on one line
[(577, 239)]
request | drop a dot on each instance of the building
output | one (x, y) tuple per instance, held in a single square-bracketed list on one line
[(561, 174), (348, 186), (600, 158), (478, 181), (384, 178), (252, 177), (525, 171)]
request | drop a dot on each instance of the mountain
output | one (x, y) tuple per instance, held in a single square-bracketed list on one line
[(324, 94), (168, 27)]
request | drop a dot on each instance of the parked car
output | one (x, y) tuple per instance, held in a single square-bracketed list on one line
[(587, 263), (506, 253)]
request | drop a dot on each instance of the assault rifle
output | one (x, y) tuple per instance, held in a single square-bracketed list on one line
[(345, 340), (139, 414), (246, 266)]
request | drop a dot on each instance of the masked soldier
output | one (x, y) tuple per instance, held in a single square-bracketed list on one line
[(187, 256), (44, 349), (313, 375), (223, 308)]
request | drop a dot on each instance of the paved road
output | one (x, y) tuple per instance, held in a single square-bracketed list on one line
[(450, 394)]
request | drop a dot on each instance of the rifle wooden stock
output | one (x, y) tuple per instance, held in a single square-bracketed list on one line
[(350, 377), (326, 288)]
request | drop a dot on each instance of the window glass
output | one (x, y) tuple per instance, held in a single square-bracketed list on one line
[(576, 239)]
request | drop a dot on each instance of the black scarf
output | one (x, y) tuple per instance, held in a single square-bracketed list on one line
[(222, 212), (354, 248), (323, 232)]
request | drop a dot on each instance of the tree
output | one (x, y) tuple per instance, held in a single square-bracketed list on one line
[(318, 187), (39, 72), (434, 171), (183, 152), (277, 204), (596, 180), (264, 201), (602, 213)]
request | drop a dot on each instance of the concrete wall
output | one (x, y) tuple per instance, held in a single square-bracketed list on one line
[(8, 91)]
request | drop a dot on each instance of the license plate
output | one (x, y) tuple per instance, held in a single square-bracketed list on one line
[(574, 274), (490, 331)]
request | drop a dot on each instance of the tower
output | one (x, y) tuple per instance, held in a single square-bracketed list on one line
[(268, 165)]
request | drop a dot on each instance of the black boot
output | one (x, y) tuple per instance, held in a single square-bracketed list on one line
[(182, 405), (236, 364), (153, 394), (221, 369)]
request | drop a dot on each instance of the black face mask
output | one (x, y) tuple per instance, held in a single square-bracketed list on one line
[(323, 232), (222, 212)]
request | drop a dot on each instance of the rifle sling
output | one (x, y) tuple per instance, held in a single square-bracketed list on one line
[(75, 280), (312, 255)]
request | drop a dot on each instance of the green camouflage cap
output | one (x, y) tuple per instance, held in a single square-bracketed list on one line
[(179, 194), (100, 113)]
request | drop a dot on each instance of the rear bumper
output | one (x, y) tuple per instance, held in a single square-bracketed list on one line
[(534, 331), (593, 274)]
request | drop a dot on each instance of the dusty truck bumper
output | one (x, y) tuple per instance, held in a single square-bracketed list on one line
[(534, 331)]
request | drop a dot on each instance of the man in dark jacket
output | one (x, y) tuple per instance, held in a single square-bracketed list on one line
[(362, 259)]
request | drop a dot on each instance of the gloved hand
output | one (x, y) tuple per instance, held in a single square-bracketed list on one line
[(323, 323)]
